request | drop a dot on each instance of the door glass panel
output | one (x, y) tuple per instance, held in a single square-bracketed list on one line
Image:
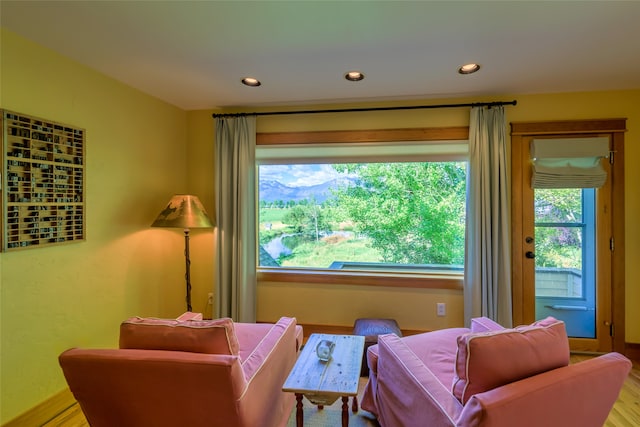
[(565, 258)]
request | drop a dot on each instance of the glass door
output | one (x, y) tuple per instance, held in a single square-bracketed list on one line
[(565, 258), (568, 253)]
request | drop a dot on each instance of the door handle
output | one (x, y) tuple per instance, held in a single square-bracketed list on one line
[(530, 254), (568, 307)]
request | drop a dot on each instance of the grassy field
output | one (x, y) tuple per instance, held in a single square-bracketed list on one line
[(319, 254), (271, 215), (322, 253)]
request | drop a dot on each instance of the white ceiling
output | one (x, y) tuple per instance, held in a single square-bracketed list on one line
[(193, 53)]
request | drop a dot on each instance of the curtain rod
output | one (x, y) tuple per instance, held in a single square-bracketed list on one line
[(351, 110)]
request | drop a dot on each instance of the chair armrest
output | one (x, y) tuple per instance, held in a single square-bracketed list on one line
[(408, 391), (266, 368), (580, 394), (278, 343)]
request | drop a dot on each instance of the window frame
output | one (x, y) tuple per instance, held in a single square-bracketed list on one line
[(452, 281)]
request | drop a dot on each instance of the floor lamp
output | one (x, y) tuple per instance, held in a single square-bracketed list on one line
[(184, 211)]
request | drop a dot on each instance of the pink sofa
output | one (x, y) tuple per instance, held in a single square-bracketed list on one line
[(187, 373), (490, 376)]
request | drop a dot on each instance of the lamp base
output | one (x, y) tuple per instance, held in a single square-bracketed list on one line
[(187, 274)]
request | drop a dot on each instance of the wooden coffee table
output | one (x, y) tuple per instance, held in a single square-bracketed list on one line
[(322, 383)]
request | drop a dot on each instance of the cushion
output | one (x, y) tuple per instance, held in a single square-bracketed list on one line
[(487, 360), (188, 315), (371, 328), (196, 336), (437, 350), (484, 324)]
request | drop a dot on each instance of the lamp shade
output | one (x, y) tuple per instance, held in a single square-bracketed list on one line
[(183, 211)]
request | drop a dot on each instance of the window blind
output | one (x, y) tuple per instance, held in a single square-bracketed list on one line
[(398, 151), (569, 162)]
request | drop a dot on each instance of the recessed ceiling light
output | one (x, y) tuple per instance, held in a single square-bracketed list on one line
[(250, 81), (469, 68), (354, 76)]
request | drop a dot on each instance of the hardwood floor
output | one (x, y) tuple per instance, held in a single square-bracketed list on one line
[(625, 412), (72, 417)]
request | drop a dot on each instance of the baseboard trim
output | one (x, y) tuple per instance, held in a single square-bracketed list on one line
[(46, 411)]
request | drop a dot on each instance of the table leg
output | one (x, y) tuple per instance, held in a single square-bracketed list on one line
[(345, 411), (299, 418), (354, 406)]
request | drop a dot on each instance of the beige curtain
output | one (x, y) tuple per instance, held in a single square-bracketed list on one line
[(487, 281), (235, 207)]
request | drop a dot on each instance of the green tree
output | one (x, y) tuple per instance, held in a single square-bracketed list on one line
[(558, 205), (296, 218), (307, 218), (414, 213), (558, 245)]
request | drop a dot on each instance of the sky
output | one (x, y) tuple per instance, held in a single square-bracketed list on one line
[(298, 175)]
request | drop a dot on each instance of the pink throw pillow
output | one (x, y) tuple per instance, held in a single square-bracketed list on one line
[(488, 360), (196, 336)]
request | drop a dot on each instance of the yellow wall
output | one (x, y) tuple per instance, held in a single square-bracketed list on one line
[(200, 176), (413, 308), (54, 298)]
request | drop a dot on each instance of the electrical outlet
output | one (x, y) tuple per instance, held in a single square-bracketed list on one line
[(210, 299), (441, 309)]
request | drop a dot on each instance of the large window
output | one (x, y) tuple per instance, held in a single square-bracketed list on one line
[(400, 216), (395, 209)]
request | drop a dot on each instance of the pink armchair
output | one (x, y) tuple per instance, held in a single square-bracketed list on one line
[(490, 376), (187, 373)]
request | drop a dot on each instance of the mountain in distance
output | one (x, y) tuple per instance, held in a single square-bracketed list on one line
[(271, 191)]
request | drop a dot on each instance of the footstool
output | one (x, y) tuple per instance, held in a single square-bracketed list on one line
[(370, 329)]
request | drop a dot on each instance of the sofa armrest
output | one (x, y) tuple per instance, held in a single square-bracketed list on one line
[(408, 391), (580, 394)]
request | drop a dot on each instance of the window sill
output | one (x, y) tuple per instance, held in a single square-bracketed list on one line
[(422, 281)]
